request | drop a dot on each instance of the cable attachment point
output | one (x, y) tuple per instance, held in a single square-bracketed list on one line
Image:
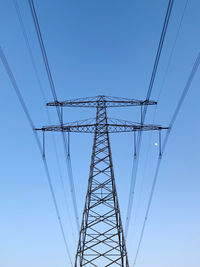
[(61, 114), (43, 144), (141, 114), (68, 147), (135, 149), (160, 144)]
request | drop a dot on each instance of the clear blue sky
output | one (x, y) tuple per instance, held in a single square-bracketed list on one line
[(100, 47)]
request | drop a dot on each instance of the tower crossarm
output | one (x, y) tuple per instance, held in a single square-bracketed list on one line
[(93, 102), (113, 126)]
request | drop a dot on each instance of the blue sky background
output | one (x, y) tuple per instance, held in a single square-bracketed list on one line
[(100, 47)]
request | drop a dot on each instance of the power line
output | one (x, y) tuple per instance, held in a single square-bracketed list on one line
[(53, 90), (22, 26), (171, 124), (19, 16), (28, 116), (173, 47), (139, 139), (162, 84), (160, 46)]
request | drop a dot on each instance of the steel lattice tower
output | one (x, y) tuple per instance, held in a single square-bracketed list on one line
[(101, 241), (101, 234)]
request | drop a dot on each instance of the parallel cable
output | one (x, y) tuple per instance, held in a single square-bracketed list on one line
[(28, 116), (53, 90), (160, 46), (139, 139), (164, 79), (27, 42), (171, 124), (173, 47)]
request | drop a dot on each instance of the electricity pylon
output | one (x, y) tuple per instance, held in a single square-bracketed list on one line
[(101, 241)]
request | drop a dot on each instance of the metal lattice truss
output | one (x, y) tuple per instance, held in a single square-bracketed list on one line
[(113, 126), (108, 102), (101, 240)]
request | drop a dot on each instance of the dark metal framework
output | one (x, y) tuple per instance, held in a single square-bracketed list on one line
[(109, 101), (101, 241), (113, 126)]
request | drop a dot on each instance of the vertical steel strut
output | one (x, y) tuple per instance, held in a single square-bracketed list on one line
[(101, 240)]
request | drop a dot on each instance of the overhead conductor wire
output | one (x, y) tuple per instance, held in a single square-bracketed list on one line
[(173, 48), (139, 139), (19, 16), (67, 154), (171, 124), (159, 93), (28, 116)]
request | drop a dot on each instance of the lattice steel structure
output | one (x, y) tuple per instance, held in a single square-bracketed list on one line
[(101, 241)]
